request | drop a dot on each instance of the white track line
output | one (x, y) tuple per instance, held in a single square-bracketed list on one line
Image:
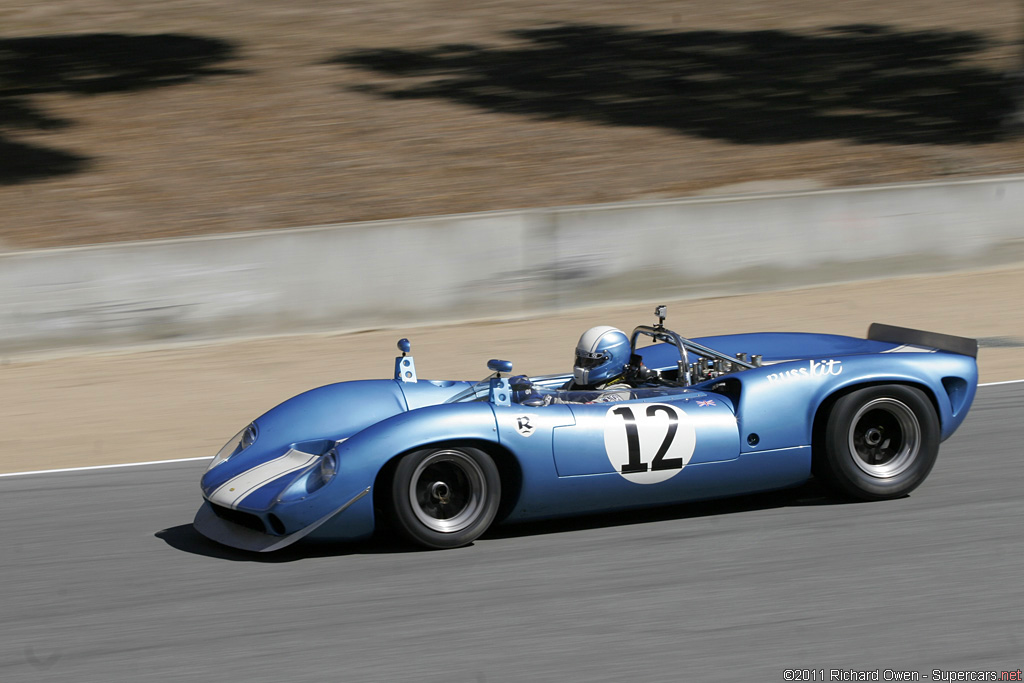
[(106, 467), (1009, 381), (210, 457)]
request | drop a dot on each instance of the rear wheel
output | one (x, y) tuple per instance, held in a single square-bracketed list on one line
[(880, 442), (445, 497)]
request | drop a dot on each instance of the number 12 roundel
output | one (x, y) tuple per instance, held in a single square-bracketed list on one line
[(648, 443)]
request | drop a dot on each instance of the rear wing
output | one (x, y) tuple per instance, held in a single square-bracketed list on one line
[(905, 335)]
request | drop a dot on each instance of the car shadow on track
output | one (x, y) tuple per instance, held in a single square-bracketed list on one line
[(811, 493), (184, 537)]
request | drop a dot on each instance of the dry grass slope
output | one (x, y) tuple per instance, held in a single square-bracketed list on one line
[(173, 117)]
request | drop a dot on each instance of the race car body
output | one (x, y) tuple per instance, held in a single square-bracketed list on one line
[(701, 419)]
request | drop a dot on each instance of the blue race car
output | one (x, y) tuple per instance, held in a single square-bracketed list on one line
[(673, 421)]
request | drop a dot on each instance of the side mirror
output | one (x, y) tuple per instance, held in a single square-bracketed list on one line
[(405, 367), (501, 391), (495, 365)]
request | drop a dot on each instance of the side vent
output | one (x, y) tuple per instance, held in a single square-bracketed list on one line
[(956, 389), (730, 387)]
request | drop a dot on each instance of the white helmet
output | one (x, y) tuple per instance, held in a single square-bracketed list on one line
[(601, 355)]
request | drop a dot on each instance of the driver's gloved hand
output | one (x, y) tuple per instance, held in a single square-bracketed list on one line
[(522, 388)]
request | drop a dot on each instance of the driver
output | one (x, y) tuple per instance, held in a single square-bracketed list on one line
[(601, 357)]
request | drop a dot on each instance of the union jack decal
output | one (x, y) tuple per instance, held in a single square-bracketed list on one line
[(705, 404)]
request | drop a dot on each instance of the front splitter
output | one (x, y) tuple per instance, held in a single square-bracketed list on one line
[(226, 533)]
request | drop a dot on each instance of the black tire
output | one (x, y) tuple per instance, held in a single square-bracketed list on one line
[(445, 497), (880, 442)]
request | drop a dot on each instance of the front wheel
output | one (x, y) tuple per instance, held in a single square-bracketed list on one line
[(445, 497), (880, 442)]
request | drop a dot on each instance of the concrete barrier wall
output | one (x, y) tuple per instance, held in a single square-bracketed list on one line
[(497, 264)]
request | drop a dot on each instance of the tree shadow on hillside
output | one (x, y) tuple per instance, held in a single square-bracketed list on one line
[(861, 83), (88, 64)]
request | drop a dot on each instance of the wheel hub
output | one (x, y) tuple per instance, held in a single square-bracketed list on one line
[(440, 492), (447, 491), (885, 437)]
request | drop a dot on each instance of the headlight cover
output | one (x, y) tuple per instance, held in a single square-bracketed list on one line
[(311, 479), (329, 465), (324, 470), (238, 443)]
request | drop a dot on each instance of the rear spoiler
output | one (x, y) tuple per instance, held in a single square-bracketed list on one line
[(905, 335)]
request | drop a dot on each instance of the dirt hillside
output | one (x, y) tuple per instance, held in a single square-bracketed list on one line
[(153, 118)]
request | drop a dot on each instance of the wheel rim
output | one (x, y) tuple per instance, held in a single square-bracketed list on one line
[(447, 491), (885, 437)]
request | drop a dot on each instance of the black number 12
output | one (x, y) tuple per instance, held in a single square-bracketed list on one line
[(659, 462)]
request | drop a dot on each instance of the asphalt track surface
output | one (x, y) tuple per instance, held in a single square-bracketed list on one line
[(104, 580)]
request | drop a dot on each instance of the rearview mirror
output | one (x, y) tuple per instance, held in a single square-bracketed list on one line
[(495, 365)]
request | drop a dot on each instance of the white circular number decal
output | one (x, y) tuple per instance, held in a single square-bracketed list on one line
[(648, 442)]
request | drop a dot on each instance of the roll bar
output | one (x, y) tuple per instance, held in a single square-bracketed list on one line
[(686, 346)]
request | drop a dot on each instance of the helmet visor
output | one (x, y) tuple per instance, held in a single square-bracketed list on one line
[(587, 360)]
